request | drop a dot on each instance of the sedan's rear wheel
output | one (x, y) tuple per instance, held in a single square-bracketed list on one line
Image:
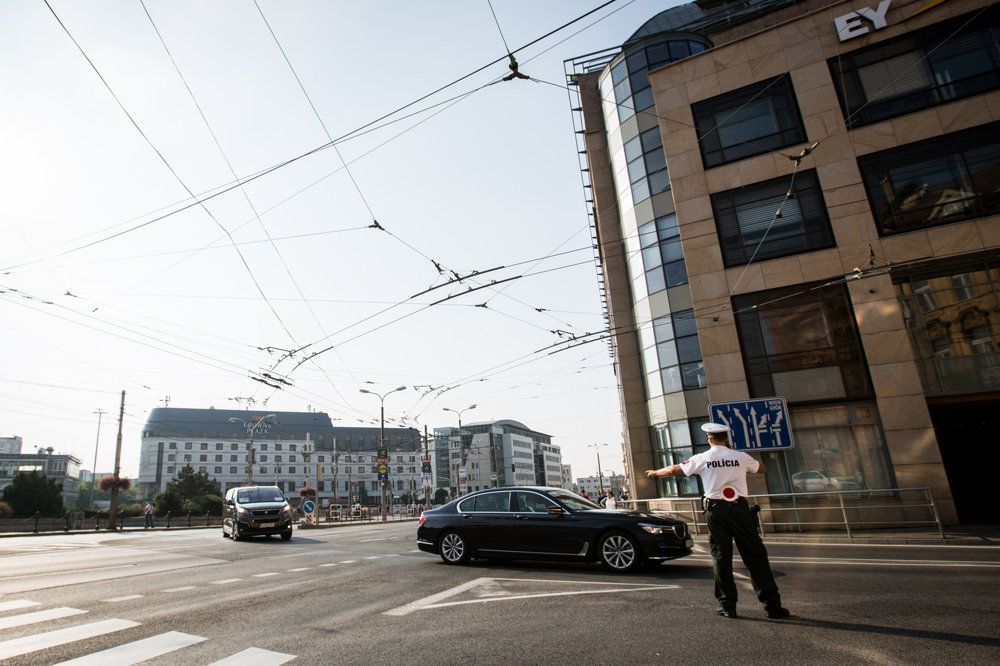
[(619, 552), (453, 548)]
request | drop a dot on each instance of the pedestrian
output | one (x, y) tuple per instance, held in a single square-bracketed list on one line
[(723, 473), (609, 501), (149, 514)]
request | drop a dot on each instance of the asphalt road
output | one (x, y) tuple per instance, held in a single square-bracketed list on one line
[(366, 595)]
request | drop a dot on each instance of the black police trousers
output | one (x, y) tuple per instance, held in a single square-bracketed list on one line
[(729, 522)]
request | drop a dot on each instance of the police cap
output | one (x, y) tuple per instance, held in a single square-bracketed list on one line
[(714, 428)]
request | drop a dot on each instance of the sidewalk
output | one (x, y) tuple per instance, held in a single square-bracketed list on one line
[(955, 535)]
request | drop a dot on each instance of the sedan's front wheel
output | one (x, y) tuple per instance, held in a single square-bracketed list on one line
[(453, 549), (619, 552)]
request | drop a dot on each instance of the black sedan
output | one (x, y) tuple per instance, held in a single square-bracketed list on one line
[(524, 523)]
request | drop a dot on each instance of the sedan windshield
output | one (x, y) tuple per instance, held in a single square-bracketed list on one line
[(249, 495), (572, 501)]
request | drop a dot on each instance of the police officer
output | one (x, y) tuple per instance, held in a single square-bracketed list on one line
[(723, 473)]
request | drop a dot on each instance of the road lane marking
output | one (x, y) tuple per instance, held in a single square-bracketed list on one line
[(255, 657), (185, 588), (347, 561), (136, 651), (329, 564), (437, 600), (18, 603), (38, 616), (15, 647), (263, 575), (127, 597), (373, 557), (226, 581), (301, 569)]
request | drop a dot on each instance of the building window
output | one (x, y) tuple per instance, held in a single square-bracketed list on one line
[(218, 458), (218, 469), (750, 121), (172, 445), (232, 470), (202, 458), (647, 165), (801, 343), (771, 219), (673, 362), (204, 446), (939, 181), (170, 470), (263, 459), (952, 314), (947, 61), (263, 447), (662, 257)]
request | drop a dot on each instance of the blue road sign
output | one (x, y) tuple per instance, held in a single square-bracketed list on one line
[(308, 506), (755, 425)]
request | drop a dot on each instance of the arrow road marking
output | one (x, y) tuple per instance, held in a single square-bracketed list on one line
[(489, 584)]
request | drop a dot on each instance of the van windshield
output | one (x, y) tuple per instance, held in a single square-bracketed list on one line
[(249, 495)]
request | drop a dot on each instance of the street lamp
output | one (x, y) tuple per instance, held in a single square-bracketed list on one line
[(460, 446), (251, 428), (383, 451), (600, 477)]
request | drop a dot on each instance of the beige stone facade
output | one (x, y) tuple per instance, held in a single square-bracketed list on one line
[(797, 40)]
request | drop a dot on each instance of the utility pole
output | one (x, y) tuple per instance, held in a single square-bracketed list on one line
[(425, 470), (118, 459), (93, 478)]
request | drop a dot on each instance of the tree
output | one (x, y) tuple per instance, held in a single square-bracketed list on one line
[(189, 491), (30, 492), (440, 496)]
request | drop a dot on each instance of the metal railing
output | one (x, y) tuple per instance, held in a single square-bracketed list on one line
[(824, 511)]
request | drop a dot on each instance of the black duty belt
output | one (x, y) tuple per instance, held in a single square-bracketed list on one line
[(708, 503)]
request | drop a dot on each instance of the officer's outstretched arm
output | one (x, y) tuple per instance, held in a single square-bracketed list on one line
[(672, 470)]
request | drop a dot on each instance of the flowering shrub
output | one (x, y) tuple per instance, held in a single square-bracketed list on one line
[(308, 491), (108, 483)]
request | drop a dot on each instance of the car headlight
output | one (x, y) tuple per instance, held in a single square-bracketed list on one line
[(287, 509), (654, 529), (241, 511)]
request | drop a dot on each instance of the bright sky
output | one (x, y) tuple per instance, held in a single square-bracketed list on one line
[(118, 273)]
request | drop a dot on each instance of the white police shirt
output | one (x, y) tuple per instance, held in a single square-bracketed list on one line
[(720, 467)]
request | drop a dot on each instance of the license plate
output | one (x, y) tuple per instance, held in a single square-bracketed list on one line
[(265, 525)]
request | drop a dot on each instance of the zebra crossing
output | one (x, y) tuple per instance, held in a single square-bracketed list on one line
[(124, 654)]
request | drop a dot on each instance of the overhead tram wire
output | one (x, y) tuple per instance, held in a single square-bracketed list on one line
[(177, 177), (199, 199)]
